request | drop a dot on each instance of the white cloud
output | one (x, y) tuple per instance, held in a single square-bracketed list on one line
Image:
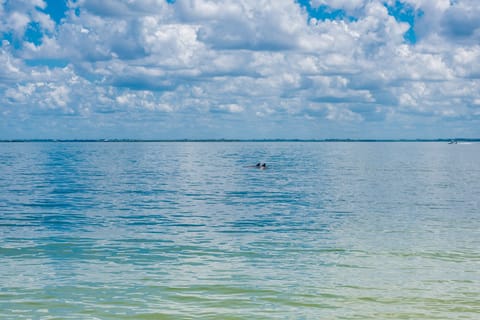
[(17, 22), (17, 15), (336, 113), (248, 24), (349, 5), (232, 108), (243, 60)]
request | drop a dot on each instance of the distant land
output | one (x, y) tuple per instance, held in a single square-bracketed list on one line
[(242, 140)]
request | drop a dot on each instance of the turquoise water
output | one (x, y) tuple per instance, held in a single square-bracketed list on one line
[(189, 231)]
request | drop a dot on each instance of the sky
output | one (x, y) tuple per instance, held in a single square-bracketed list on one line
[(239, 69)]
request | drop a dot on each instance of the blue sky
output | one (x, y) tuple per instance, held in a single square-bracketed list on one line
[(200, 69)]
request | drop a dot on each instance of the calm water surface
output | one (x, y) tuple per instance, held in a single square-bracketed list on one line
[(189, 231)]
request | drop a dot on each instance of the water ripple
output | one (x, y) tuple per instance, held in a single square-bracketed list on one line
[(191, 231)]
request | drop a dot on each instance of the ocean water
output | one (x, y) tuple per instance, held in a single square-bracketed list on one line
[(190, 231)]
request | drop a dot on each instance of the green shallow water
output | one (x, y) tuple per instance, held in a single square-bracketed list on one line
[(189, 231)]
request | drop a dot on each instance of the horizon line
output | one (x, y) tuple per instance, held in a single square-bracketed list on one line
[(246, 140)]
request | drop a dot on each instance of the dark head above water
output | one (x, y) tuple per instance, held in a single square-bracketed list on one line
[(260, 166)]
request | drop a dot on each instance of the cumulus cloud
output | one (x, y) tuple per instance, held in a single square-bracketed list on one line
[(348, 5), (18, 15), (249, 24), (204, 64), (460, 23)]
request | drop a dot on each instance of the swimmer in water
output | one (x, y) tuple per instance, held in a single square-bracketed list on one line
[(259, 165)]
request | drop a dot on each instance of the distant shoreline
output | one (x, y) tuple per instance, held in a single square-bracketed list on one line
[(239, 140)]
